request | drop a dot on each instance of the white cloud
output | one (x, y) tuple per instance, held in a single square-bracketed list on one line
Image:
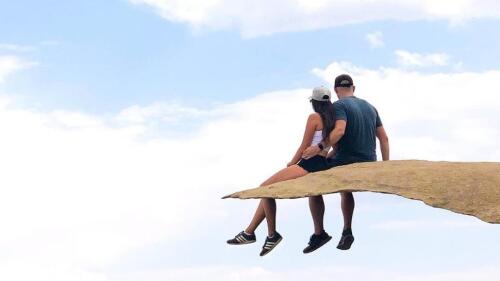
[(340, 273), (11, 64), (260, 17), (409, 59), (447, 116), (376, 39), (164, 112), (80, 192)]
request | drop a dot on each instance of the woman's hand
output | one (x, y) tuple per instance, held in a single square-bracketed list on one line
[(311, 152)]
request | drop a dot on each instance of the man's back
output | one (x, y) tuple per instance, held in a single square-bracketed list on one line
[(359, 140)]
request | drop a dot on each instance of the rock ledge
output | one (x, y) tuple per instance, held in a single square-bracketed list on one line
[(465, 188)]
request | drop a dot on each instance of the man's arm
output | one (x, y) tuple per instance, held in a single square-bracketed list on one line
[(332, 152), (384, 142), (338, 132), (335, 135)]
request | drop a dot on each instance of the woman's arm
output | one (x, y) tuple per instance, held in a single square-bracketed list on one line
[(312, 123)]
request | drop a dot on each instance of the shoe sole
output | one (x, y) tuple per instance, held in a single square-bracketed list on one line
[(320, 245), (270, 250), (239, 244), (348, 243)]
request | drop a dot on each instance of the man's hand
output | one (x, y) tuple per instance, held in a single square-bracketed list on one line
[(311, 151)]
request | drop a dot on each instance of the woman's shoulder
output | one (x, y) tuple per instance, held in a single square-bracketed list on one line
[(314, 117), (315, 120)]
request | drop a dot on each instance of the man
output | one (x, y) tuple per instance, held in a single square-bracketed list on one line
[(357, 124)]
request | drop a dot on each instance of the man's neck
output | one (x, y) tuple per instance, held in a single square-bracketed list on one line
[(345, 95)]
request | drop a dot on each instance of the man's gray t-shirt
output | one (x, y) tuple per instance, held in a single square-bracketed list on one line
[(359, 141)]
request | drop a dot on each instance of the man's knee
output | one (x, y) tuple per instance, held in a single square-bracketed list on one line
[(347, 195), (316, 199)]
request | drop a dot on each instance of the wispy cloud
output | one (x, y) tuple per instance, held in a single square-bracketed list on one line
[(376, 39), (16, 48), (409, 59), (49, 43), (260, 17), (11, 64)]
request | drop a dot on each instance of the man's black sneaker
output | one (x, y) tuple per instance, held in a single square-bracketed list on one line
[(242, 239), (346, 240), (270, 244), (317, 241)]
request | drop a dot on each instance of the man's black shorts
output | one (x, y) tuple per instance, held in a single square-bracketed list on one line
[(335, 162)]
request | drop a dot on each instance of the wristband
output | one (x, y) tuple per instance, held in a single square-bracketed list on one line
[(321, 147)]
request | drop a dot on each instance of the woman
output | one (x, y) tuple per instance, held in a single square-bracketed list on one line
[(319, 125)]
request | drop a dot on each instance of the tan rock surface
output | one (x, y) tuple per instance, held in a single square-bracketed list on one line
[(466, 188)]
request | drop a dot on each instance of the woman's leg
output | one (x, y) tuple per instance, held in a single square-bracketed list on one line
[(260, 213), (270, 210), (269, 204), (258, 217)]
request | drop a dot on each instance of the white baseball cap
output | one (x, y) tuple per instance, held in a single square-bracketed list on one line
[(321, 93)]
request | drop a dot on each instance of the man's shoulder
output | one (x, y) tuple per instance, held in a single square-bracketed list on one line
[(365, 102), (340, 103), (350, 101), (360, 100), (337, 102)]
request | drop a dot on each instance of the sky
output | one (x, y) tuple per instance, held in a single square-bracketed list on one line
[(124, 122)]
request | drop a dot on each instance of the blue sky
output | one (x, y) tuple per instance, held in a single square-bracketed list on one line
[(124, 122), (114, 54)]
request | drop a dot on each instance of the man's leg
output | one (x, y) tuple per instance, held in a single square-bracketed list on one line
[(347, 203), (317, 207), (320, 237)]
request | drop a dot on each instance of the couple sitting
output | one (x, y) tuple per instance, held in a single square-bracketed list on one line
[(337, 134)]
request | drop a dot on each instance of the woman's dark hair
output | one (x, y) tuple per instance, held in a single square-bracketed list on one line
[(325, 110)]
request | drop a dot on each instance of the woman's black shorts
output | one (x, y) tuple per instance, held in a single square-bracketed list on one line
[(314, 164)]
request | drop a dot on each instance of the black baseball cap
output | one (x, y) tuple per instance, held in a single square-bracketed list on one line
[(343, 81)]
